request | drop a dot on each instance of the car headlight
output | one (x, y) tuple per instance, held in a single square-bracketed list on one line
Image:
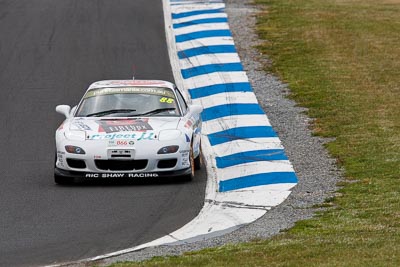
[(75, 150), (168, 150)]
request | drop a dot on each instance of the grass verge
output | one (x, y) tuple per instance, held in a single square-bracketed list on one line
[(341, 59)]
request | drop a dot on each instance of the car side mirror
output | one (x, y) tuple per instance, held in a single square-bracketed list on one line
[(64, 110), (195, 109)]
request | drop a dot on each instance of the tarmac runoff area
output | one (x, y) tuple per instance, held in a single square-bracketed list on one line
[(243, 211)]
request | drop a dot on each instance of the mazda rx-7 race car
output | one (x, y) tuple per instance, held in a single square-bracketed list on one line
[(128, 129)]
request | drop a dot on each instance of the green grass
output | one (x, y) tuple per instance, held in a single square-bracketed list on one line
[(341, 59)]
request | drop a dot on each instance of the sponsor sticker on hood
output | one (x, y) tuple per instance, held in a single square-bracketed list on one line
[(134, 129), (129, 125), (123, 136)]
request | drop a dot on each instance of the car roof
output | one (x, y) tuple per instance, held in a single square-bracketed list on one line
[(130, 83)]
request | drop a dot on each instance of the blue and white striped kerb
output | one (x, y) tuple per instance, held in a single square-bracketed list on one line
[(248, 172), (247, 152)]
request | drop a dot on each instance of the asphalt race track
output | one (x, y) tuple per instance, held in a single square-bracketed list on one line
[(50, 51)]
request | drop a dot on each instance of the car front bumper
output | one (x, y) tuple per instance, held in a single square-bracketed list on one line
[(132, 175)]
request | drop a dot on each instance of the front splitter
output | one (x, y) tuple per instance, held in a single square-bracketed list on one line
[(109, 175)]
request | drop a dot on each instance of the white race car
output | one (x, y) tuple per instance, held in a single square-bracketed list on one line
[(128, 129)]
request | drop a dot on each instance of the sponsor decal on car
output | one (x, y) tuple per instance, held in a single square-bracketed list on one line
[(81, 125), (185, 158), (60, 158), (113, 136), (131, 125), (189, 123), (136, 82), (167, 100), (121, 143), (187, 138), (120, 175), (130, 90)]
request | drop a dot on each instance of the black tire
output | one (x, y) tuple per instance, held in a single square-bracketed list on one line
[(190, 176), (198, 162)]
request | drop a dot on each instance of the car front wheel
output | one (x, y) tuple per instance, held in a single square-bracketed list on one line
[(192, 160), (198, 162)]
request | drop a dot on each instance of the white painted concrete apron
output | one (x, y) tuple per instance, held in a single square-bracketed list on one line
[(248, 171)]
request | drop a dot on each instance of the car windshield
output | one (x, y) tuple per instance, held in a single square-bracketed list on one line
[(128, 102)]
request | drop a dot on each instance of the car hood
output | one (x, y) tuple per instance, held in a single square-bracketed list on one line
[(122, 128)]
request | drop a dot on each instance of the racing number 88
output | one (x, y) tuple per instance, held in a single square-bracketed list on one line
[(167, 100)]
